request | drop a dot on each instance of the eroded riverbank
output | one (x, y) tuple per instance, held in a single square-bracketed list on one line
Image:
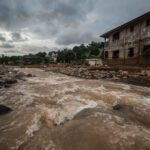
[(53, 111), (132, 75)]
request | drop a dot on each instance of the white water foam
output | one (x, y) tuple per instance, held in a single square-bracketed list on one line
[(35, 125), (67, 111)]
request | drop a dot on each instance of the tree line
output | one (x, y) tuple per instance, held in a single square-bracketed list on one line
[(74, 55), (40, 58)]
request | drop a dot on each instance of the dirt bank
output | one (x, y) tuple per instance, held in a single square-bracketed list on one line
[(131, 75)]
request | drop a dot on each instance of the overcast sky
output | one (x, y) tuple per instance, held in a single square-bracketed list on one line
[(30, 26)]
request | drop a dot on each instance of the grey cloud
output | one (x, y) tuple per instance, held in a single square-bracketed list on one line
[(76, 38), (7, 45), (43, 16), (12, 51), (17, 37), (34, 49), (2, 38)]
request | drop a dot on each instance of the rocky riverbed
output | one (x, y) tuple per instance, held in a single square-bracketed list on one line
[(131, 75)]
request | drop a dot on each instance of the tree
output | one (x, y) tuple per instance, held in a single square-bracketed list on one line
[(81, 52), (66, 56), (70, 56), (95, 48), (41, 54)]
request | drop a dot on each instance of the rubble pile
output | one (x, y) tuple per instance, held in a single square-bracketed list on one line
[(10, 76), (137, 77)]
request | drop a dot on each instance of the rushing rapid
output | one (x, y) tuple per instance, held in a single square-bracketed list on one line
[(57, 112)]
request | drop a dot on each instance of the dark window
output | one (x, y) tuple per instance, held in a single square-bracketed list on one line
[(116, 36), (148, 22), (106, 54), (131, 28), (116, 54), (131, 52), (146, 51)]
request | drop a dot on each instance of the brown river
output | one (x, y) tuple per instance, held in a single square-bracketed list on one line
[(57, 112)]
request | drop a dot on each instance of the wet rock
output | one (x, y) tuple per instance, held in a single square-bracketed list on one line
[(123, 108), (117, 107), (2, 73), (7, 85), (29, 75), (10, 81), (4, 109), (2, 82), (20, 76), (85, 113)]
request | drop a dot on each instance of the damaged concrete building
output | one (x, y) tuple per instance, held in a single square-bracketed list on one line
[(129, 44)]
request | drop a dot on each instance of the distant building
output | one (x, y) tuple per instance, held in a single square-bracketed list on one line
[(53, 55), (26, 60), (129, 44), (94, 62), (10, 62)]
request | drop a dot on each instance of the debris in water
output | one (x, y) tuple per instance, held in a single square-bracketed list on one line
[(4, 109)]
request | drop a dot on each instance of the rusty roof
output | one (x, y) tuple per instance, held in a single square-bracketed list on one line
[(130, 23)]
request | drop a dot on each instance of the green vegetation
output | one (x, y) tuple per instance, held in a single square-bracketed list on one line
[(74, 56), (36, 59), (78, 53)]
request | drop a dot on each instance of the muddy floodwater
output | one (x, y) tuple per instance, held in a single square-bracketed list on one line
[(57, 112)]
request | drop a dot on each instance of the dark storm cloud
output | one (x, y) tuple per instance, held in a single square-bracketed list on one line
[(7, 45), (42, 15), (66, 21)]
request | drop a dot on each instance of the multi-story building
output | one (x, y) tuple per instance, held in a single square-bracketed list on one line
[(129, 44)]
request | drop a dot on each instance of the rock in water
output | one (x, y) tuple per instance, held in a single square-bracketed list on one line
[(10, 81), (29, 75), (7, 85), (123, 108), (20, 76), (4, 109), (118, 107)]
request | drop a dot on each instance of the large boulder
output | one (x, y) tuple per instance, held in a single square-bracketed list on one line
[(4, 109), (85, 113)]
